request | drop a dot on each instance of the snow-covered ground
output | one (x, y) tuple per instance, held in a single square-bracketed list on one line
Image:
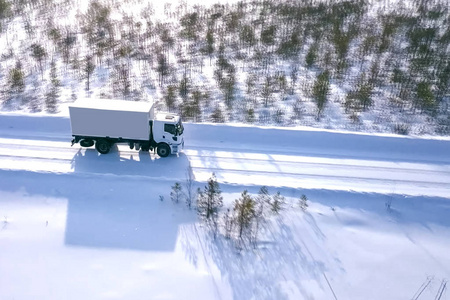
[(77, 225)]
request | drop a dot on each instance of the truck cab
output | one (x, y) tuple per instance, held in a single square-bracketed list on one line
[(167, 129)]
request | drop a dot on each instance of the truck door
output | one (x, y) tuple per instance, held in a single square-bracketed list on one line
[(170, 132)]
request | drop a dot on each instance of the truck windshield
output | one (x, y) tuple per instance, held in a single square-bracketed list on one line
[(179, 128)]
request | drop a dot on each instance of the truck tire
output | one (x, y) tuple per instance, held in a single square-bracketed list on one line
[(87, 143), (163, 150), (102, 146)]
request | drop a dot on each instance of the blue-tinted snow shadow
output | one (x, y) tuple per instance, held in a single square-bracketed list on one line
[(130, 163), (38, 123), (421, 210), (124, 216), (407, 209), (126, 219), (316, 143), (280, 258), (35, 127), (107, 211), (255, 274)]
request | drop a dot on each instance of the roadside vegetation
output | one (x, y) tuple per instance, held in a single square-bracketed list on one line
[(371, 66), (244, 221)]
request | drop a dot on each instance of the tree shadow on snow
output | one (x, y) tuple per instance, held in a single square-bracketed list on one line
[(276, 269)]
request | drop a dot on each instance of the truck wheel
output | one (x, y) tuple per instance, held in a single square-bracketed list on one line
[(163, 150), (87, 143), (102, 146)]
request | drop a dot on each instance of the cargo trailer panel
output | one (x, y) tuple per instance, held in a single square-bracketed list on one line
[(108, 119)]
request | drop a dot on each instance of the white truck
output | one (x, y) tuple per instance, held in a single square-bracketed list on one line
[(107, 122)]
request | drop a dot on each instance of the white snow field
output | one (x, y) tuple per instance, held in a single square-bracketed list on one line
[(78, 225)]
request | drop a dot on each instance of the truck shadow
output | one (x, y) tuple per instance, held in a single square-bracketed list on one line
[(99, 212), (124, 217), (111, 211), (125, 162)]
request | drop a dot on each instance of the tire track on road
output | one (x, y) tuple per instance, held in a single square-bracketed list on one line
[(255, 168)]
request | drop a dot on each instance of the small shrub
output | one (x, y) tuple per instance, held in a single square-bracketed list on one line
[(277, 202), (303, 202), (176, 193), (244, 211), (217, 116), (189, 194), (402, 129), (250, 116)]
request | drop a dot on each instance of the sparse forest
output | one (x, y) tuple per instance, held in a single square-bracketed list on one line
[(379, 66)]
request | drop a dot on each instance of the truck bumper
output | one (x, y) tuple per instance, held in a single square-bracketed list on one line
[(175, 149)]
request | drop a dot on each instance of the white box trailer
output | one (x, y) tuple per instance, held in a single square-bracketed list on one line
[(111, 118), (106, 122)]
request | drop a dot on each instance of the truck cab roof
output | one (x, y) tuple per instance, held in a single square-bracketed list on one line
[(167, 117)]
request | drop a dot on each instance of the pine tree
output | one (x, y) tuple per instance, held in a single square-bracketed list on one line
[(244, 211), (360, 97), (277, 202), (51, 100), (294, 78), (190, 110), (425, 98), (96, 23), (89, 68), (176, 193), (68, 42), (311, 56), (267, 90), (303, 202), (208, 204), (263, 197), (250, 116), (268, 35), (210, 200), (190, 26), (262, 201), (189, 186), (5, 11), (290, 47), (16, 79), (170, 97), (225, 76), (210, 43), (121, 81), (321, 89), (162, 68), (38, 52), (228, 223), (247, 36), (184, 87), (217, 115)]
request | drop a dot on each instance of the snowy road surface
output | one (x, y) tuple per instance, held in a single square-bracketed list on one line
[(243, 167), (79, 225), (308, 159)]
